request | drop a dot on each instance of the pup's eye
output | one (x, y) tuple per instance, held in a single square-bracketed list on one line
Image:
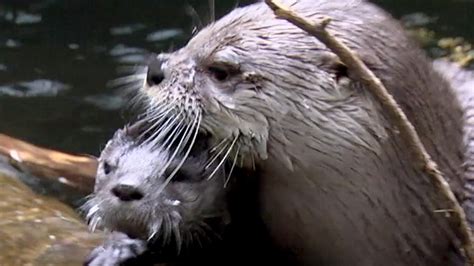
[(219, 73), (107, 168)]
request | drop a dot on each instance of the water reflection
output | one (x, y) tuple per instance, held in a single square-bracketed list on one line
[(34, 88), (22, 17)]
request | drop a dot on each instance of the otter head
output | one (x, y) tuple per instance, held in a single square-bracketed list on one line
[(244, 80), (133, 196)]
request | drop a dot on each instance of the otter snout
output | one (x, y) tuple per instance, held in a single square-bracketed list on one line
[(127, 192), (155, 74)]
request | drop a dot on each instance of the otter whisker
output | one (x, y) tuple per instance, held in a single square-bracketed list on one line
[(132, 69), (167, 227), (128, 86), (198, 237), (196, 20), (95, 221), (89, 197), (189, 238), (196, 125), (153, 116), (233, 165), (212, 11), (160, 113), (92, 211), (253, 161), (87, 206), (129, 89), (184, 140), (160, 119), (129, 68), (156, 120), (236, 4), (209, 231), (160, 106), (165, 129), (135, 100), (214, 157), (162, 130), (225, 157), (161, 101), (156, 132), (173, 135), (208, 216), (127, 79), (200, 234), (176, 230), (177, 236), (161, 109), (155, 229), (213, 149), (92, 207)]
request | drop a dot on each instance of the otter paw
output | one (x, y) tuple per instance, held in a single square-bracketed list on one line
[(118, 249)]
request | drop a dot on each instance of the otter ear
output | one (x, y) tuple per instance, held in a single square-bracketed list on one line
[(333, 65), (340, 70)]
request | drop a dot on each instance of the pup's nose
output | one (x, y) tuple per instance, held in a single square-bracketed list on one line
[(155, 74), (127, 192)]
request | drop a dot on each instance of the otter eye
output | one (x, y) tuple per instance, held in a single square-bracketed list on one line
[(107, 168), (218, 73)]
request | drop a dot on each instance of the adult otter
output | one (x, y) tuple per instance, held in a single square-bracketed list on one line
[(337, 185)]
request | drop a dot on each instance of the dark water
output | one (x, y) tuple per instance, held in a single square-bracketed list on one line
[(56, 58)]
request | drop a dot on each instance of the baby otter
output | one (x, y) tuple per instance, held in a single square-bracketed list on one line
[(131, 198)]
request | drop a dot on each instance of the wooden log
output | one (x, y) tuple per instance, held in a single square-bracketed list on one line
[(77, 171)]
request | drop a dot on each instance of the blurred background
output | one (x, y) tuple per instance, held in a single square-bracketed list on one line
[(57, 57)]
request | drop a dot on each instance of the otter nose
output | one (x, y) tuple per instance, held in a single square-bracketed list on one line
[(155, 74), (127, 192)]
